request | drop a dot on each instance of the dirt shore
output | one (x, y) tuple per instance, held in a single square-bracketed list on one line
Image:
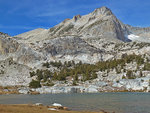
[(35, 109)]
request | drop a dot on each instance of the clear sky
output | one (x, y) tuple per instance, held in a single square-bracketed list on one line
[(18, 16)]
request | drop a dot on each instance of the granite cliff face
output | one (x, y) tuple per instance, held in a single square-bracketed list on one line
[(98, 36), (10, 47), (13, 73)]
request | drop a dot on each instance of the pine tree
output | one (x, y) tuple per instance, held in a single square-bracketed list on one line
[(141, 74), (55, 76)]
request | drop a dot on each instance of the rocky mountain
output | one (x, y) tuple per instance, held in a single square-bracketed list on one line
[(89, 40), (100, 23)]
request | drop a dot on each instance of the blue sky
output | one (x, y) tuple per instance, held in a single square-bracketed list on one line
[(18, 16)]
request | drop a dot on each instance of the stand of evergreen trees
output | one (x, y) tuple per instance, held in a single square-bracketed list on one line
[(88, 71)]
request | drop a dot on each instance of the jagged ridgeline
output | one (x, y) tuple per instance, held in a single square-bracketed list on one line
[(92, 49)]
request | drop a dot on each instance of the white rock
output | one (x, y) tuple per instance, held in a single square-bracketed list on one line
[(38, 104), (52, 109), (23, 91), (117, 85), (91, 89), (57, 105)]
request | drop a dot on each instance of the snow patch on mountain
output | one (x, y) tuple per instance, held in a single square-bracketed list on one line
[(133, 37)]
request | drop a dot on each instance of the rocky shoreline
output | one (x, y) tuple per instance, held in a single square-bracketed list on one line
[(94, 86), (123, 85)]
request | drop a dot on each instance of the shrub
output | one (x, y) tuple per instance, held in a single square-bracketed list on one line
[(56, 64), (117, 81), (74, 83), (32, 74), (75, 77), (123, 77), (46, 65), (61, 77), (130, 74), (146, 67), (49, 83), (34, 84), (94, 76)]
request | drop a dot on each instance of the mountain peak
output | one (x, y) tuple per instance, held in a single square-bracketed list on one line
[(102, 11), (75, 18)]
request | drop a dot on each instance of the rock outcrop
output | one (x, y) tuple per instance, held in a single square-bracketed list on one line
[(14, 74)]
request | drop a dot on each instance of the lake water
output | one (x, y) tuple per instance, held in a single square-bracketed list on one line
[(118, 102)]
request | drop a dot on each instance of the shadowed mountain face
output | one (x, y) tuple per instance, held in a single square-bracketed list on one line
[(68, 46)]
